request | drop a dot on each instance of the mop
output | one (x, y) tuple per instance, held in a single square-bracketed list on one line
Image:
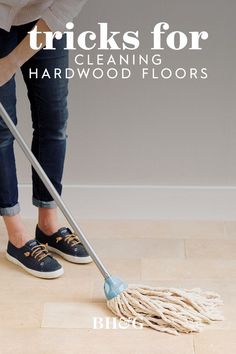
[(163, 309)]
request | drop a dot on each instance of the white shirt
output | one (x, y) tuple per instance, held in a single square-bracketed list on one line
[(56, 13)]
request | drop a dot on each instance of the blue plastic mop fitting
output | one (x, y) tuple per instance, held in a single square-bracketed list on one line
[(113, 286)]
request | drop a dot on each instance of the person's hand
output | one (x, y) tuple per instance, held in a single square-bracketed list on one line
[(21, 54), (7, 69)]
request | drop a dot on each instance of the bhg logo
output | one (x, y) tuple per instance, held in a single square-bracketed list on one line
[(115, 323)]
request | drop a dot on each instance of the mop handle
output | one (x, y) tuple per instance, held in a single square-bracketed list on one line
[(51, 189)]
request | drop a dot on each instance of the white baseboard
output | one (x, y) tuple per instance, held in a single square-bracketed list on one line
[(142, 202)]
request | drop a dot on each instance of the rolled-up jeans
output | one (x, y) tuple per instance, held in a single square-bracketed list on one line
[(48, 104)]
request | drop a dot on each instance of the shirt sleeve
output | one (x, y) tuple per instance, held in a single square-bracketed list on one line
[(61, 12)]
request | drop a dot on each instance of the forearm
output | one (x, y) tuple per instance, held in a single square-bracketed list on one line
[(23, 52)]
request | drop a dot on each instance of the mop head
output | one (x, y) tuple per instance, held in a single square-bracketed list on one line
[(167, 310)]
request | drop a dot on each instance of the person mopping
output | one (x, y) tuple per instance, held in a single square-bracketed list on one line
[(48, 103)]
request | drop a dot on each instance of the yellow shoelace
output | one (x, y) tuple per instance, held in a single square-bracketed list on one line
[(72, 238), (39, 252)]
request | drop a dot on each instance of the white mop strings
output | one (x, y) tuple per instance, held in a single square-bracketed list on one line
[(167, 310)]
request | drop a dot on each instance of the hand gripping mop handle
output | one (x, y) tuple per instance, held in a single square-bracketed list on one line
[(51, 189)]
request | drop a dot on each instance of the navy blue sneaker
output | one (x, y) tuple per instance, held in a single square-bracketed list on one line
[(65, 243), (35, 259)]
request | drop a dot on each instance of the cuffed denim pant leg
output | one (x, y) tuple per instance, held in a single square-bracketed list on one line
[(48, 103)]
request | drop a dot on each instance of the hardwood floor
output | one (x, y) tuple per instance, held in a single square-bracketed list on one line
[(57, 316)]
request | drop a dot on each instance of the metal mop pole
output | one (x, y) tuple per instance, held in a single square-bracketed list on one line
[(51, 189)]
